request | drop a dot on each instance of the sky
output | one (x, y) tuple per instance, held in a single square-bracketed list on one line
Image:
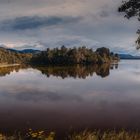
[(39, 24)]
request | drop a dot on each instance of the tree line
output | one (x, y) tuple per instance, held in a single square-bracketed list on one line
[(67, 56), (58, 56)]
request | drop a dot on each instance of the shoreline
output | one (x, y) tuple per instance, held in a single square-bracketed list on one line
[(8, 65)]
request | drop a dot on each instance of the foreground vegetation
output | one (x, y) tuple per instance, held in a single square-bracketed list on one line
[(109, 135), (85, 135)]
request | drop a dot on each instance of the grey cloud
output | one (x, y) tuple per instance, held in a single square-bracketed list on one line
[(33, 22), (26, 46), (35, 96), (100, 24), (104, 14)]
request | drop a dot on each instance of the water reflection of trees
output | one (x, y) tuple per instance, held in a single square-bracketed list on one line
[(77, 71), (8, 70), (114, 66)]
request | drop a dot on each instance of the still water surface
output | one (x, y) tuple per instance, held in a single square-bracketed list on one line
[(59, 99)]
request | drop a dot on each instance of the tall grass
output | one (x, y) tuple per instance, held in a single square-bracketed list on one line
[(85, 135), (108, 135)]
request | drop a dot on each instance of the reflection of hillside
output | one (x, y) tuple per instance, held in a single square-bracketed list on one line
[(7, 70), (103, 70), (78, 71)]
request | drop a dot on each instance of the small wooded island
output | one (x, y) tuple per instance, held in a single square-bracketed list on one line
[(58, 56)]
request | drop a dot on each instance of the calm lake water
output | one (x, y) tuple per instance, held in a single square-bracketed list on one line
[(62, 99)]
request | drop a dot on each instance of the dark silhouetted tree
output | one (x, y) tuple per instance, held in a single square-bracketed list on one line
[(131, 8)]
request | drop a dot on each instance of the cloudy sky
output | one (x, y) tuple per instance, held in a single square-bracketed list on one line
[(51, 23)]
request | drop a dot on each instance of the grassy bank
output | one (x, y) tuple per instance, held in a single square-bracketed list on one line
[(86, 135), (110, 135)]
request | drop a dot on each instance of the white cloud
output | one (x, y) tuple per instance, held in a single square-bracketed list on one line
[(100, 24)]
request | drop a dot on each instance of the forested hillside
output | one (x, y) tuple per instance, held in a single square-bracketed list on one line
[(81, 55), (58, 56), (11, 57)]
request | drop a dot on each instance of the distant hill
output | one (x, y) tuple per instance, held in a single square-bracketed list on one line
[(128, 56), (24, 51), (29, 51)]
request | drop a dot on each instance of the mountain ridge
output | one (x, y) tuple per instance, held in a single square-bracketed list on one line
[(128, 56)]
